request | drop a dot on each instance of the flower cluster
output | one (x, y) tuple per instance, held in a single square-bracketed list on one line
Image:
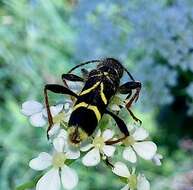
[(94, 150)]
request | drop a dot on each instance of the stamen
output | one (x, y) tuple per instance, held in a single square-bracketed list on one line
[(129, 141), (99, 142), (59, 118), (59, 159)]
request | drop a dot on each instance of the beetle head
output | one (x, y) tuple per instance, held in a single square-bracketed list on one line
[(76, 135)]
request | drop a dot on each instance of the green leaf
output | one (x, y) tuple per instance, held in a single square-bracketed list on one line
[(29, 184)]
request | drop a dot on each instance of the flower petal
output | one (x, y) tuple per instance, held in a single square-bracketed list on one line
[(41, 162), (140, 134), (146, 149), (107, 134), (109, 150), (30, 107), (54, 110), (69, 177), (59, 144), (73, 154), (142, 183), (157, 159), (37, 120), (54, 130), (49, 181), (92, 158), (126, 187), (121, 169), (129, 154), (98, 133), (68, 105), (63, 134), (86, 147)]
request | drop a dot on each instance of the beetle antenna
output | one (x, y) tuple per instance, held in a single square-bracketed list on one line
[(129, 74), (82, 64), (95, 61)]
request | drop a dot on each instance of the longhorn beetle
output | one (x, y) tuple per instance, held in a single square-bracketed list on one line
[(101, 84)]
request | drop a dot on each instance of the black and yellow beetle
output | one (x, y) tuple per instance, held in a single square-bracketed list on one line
[(101, 85)]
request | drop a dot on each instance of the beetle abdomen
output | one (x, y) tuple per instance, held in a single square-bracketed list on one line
[(91, 104), (84, 118)]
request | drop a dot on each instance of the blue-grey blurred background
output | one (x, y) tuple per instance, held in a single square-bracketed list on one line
[(41, 39)]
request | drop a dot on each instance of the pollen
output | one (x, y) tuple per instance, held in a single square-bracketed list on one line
[(76, 135), (59, 118), (99, 142), (129, 141), (59, 160)]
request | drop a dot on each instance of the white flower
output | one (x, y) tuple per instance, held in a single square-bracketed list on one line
[(63, 115), (157, 159), (33, 110), (38, 115), (98, 148), (59, 173), (136, 143), (72, 151), (133, 182), (61, 119), (54, 130)]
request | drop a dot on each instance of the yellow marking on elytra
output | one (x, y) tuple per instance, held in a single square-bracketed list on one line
[(104, 99), (90, 107), (89, 89), (96, 111)]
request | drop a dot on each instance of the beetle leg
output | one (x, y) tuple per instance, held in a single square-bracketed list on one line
[(134, 117), (56, 89), (127, 88), (122, 127), (71, 77)]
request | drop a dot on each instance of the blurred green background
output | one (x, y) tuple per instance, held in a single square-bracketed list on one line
[(41, 39)]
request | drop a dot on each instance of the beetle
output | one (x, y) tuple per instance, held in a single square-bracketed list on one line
[(100, 86)]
